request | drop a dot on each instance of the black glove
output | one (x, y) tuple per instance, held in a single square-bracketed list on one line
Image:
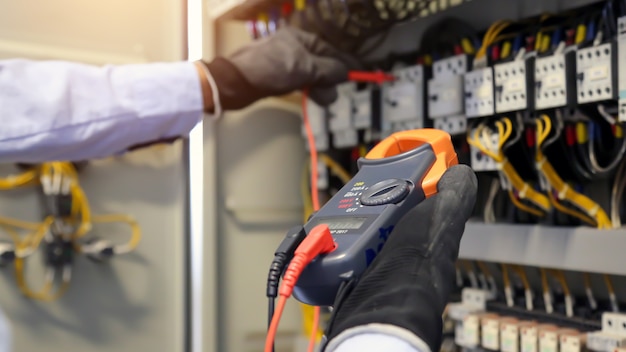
[(406, 288), (288, 60)]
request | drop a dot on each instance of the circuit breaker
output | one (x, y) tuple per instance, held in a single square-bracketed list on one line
[(514, 85), (403, 100), (621, 69), (340, 121), (445, 89), (318, 120), (479, 93), (554, 81), (595, 78)]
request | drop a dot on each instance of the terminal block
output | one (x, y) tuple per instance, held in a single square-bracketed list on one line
[(514, 88), (621, 69), (403, 100), (478, 90), (481, 161), (318, 120), (612, 335), (340, 121), (596, 78), (554, 81)]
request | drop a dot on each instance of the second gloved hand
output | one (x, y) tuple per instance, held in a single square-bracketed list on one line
[(405, 290), (286, 61)]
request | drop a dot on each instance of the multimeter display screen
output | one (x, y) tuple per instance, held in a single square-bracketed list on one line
[(343, 223)]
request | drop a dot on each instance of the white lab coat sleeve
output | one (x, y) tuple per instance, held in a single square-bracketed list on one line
[(377, 338), (5, 334), (55, 110)]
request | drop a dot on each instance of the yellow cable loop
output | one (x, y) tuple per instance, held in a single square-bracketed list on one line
[(135, 236), (584, 203), (45, 294), (505, 129), (545, 285)]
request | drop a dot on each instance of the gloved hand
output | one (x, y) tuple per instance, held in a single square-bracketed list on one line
[(288, 60), (405, 290)]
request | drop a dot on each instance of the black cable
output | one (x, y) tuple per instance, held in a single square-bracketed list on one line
[(283, 254)]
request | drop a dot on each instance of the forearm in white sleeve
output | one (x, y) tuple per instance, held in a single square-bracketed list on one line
[(54, 110), (377, 338)]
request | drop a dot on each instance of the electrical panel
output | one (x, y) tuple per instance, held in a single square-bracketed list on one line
[(621, 66), (403, 100), (595, 76), (445, 89), (454, 125), (317, 116), (554, 81), (514, 85), (340, 114), (479, 93)]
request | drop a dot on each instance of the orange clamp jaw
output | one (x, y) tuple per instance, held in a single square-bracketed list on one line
[(401, 142)]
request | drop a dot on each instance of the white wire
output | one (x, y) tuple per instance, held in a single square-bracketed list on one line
[(605, 115), (594, 160), (617, 193), (490, 216)]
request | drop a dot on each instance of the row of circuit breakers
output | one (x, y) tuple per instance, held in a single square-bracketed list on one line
[(460, 90)]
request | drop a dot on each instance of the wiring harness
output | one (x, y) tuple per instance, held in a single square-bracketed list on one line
[(63, 232)]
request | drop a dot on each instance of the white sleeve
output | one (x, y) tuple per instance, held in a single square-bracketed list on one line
[(377, 338), (53, 110)]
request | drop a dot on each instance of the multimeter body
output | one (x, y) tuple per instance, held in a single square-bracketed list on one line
[(361, 216)]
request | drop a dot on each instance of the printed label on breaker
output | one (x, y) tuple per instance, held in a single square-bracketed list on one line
[(491, 334), (548, 342), (509, 338), (529, 339), (471, 331)]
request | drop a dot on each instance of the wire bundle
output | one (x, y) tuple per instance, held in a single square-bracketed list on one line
[(68, 221)]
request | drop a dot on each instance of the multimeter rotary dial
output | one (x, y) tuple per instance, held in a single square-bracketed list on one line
[(389, 191)]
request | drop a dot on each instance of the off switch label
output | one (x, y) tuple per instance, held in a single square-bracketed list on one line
[(350, 201)]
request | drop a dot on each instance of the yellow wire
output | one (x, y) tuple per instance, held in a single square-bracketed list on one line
[(506, 280), (123, 218), (336, 168), (45, 293), (26, 178), (591, 208), (485, 270), (560, 277), (609, 284), (505, 129), (523, 206), (522, 274), (571, 212), (490, 36)]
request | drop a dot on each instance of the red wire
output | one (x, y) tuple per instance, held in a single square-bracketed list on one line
[(282, 300), (271, 332), (314, 197)]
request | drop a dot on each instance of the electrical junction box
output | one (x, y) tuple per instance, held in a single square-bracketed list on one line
[(612, 335), (478, 88), (514, 86), (445, 89), (596, 78), (318, 120), (403, 100), (340, 115), (481, 161), (621, 66), (554, 81)]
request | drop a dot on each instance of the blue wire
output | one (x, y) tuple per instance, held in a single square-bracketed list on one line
[(556, 37), (591, 31), (517, 44), (591, 129)]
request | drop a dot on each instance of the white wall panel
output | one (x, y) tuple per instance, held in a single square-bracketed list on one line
[(137, 302)]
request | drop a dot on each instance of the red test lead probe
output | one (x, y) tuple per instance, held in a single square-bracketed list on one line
[(318, 241), (378, 77)]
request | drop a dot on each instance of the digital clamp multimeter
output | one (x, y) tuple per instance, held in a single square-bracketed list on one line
[(394, 177)]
